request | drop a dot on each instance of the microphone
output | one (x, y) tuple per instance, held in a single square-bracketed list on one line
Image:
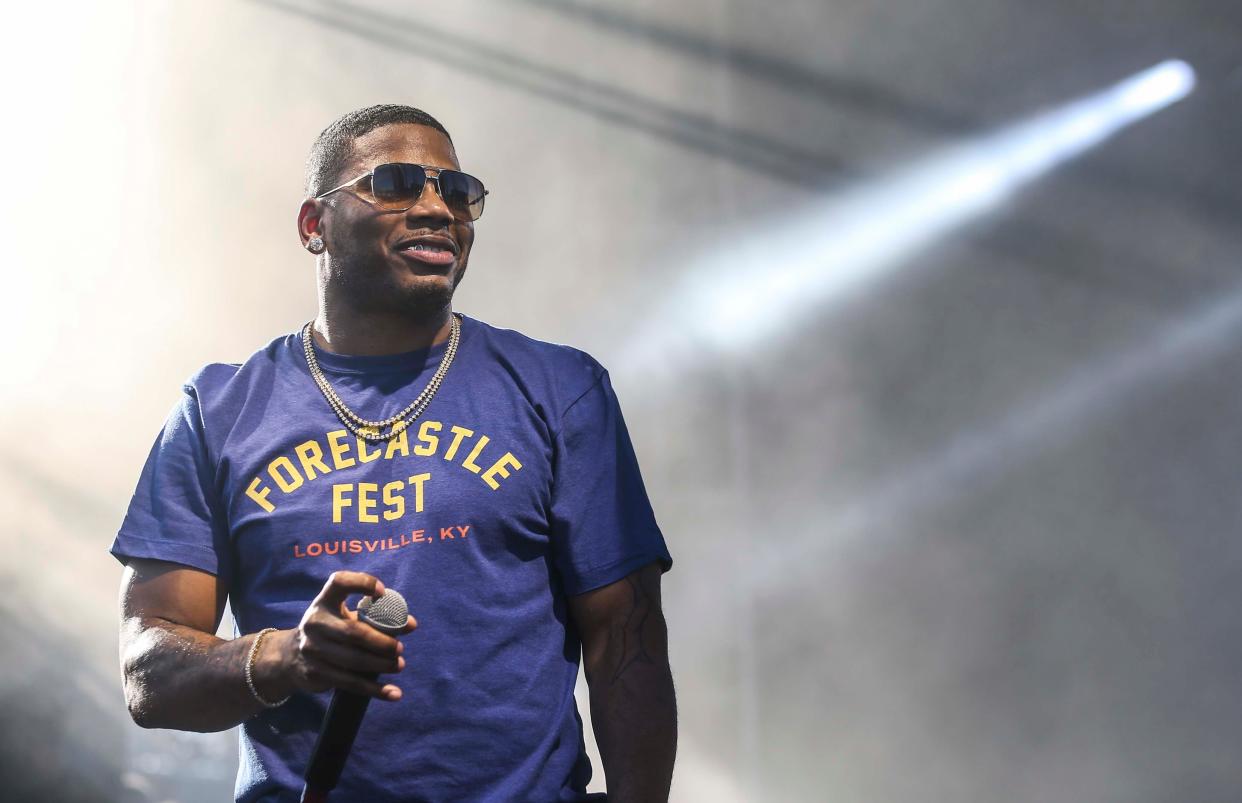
[(388, 614)]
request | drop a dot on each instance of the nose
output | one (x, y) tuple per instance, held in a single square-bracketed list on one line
[(429, 204)]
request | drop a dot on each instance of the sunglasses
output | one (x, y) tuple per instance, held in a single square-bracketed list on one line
[(397, 186)]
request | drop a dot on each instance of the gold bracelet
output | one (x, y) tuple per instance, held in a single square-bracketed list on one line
[(254, 650)]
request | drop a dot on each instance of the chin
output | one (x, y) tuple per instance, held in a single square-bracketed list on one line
[(425, 300)]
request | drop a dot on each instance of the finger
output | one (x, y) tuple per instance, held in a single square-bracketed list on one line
[(354, 634), (349, 681), (341, 584), (352, 659), (408, 627)]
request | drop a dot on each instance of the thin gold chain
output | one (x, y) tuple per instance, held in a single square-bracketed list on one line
[(370, 430)]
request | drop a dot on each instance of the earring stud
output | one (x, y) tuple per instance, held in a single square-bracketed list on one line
[(315, 245)]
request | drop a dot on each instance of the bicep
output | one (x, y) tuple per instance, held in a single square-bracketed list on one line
[(155, 589), (626, 613)]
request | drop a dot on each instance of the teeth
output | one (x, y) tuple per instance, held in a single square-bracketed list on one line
[(419, 247)]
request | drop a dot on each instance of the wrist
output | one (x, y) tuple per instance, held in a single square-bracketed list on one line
[(270, 670)]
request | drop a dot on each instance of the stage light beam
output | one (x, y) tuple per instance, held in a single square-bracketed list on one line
[(740, 295)]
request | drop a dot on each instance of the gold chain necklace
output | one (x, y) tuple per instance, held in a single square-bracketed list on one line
[(370, 430)]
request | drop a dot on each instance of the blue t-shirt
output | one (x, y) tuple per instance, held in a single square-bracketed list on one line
[(518, 485)]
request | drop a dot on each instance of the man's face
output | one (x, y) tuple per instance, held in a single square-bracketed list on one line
[(367, 265)]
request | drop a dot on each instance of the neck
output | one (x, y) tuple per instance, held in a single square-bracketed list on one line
[(377, 333)]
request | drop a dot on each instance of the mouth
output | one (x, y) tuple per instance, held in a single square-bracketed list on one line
[(429, 250)]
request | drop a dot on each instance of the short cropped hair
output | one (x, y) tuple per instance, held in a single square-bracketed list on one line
[(334, 145)]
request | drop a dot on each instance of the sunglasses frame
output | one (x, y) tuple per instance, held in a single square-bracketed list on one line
[(433, 178)]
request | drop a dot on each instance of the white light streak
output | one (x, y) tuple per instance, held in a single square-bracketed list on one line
[(986, 450), (732, 299)]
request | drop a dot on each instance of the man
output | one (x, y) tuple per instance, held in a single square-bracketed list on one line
[(394, 443)]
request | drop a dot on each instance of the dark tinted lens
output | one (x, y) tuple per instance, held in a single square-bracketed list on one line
[(462, 193), (397, 183)]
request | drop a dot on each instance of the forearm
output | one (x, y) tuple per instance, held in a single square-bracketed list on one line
[(182, 678), (634, 714)]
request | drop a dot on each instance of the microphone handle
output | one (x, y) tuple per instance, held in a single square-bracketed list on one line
[(336, 739)]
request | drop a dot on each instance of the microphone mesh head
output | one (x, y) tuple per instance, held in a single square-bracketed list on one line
[(389, 613)]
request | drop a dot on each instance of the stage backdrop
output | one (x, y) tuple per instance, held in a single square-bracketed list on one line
[(927, 343)]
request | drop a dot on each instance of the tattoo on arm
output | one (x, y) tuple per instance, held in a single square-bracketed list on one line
[(631, 632)]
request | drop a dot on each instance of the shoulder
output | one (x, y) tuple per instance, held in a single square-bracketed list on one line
[(214, 397), (224, 386), (566, 371), (209, 378)]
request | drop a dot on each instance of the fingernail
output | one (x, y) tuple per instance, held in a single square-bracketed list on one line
[(400, 648), (391, 693), (379, 588), (400, 662)]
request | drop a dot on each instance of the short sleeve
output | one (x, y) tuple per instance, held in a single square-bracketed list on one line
[(603, 526), (175, 514)]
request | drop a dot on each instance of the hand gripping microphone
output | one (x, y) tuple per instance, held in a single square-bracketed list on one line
[(387, 614)]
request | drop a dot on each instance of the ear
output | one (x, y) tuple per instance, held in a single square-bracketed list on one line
[(310, 219)]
